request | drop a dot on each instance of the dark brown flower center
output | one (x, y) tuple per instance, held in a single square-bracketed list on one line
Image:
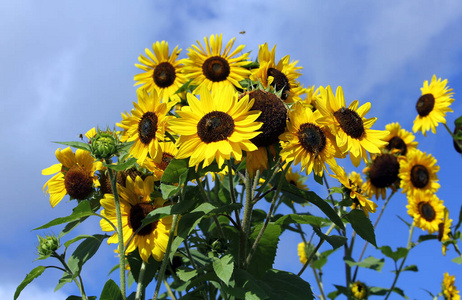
[(425, 104), (419, 176), (216, 68), (273, 116), (166, 159), (427, 211), (78, 183), (164, 75), (215, 126), (384, 170), (312, 138), (440, 231), (350, 122), (137, 213), (280, 82), (147, 127), (397, 143)]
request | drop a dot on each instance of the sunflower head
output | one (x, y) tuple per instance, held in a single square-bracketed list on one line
[(381, 173), (210, 67), (432, 105), (359, 290), (399, 140), (450, 291), (444, 229), (427, 210)]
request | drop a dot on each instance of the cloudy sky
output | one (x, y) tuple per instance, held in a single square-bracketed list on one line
[(67, 66)]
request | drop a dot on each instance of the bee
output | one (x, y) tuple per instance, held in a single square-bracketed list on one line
[(242, 32), (81, 136)]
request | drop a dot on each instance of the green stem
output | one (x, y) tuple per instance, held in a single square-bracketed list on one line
[(206, 199), (375, 225), (231, 190), (450, 132), (268, 216), (140, 287), (315, 250), (120, 237), (79, 282), (169, 290), (245, 231), (398, 272), (160, 277), (319, 282)]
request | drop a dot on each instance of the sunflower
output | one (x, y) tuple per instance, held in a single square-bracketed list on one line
[(296, 179), (307, 140), (418, 173), (162, 71), (146, 125), (359, 290), (212, 68), (256, 161), (135, 205), (350, 126), (352, 187), (381, 173), (169, 151), (281, 76), (426, 209), (433, 105), (444, 229), (312, 95), (400, 139), (75, 175), (449, 289), (301, 249), (216, 127)]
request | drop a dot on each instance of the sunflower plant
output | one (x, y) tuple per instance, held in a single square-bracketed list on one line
[(197, 185)]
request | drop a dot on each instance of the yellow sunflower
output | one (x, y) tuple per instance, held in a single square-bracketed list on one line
[(359, 290), (351, 128), (433, 105), (256, 160), (352, 185), (400, 139), (216, 127), (146, 125), (418, 173), (75, 175), (281, 76), (213, 68), (306, 140), (169, 151), (162, 71), (450, 291), (381, 173), (302, 252), (296, 179), (426, 209), (135, 205), (444, 229)]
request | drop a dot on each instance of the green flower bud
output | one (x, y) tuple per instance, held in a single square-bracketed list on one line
[(103, 145), (47, 245)]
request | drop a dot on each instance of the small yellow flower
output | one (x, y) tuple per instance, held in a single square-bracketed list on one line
[(450, 291)]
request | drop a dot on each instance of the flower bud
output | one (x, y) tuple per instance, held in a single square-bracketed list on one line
[(47, 245), (103, 145)]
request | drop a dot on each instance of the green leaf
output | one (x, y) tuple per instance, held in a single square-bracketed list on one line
[(460, 220), (66, 278), (224, 267), (395, 255), (458, 122), (412, 268), (285, 285), (123, 166), (84, 252), (300, 219), (457, 260), (427, 237), (362, 225), (317, 178), (80, 298), (135, 262), (301, 196), (77, 238), (36, 272), (186, 274), (321, 260), (169, 190), (71, 225), (369, 263), (165, 211), (263, 257), (111, 291), (77, 145), (80, 211), (335, 241), (176, 172)]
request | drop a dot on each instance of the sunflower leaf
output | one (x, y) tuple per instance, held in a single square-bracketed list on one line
[(111, 291), (362, 225), (78, 145), (458, 122), (36, 272), (224, 267), (122, 166), (395, 255), (369, 263), (263, 258), (457, 260), (300, 219), (84, 252), (80, 211), (335, 241)]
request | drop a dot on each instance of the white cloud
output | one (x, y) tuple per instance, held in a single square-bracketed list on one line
[(31, 291)]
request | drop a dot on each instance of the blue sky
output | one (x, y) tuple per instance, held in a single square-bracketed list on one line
[(68, 66)]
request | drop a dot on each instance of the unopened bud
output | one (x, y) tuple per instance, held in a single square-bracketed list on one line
[(104, 145), (47, 245)]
